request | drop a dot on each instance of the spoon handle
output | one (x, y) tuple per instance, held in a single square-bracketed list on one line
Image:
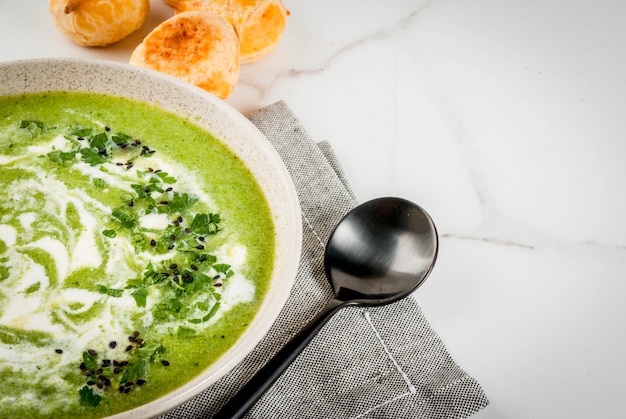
[(239, 404)]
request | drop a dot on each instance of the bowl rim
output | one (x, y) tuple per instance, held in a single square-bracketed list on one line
[(193, 103)]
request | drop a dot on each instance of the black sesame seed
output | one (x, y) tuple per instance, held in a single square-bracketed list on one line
[(92, 352), (106, 382), (100, 386), (117, 370), (200, 247), (202, 258), (83, 366), (131, 204), (131, 339), (176, 271), (187, 230), (164, 203), (107, 129), (59, 351), (216, 277), (135, 334), (81, 139), (91, 383), (164, 362), (194, 267), (179, 219), (122, 363), (150, 169), (176, 223), (170, 247), (141, 382), (106, 363), (112, 344), (219, 284), (153, 243), (201, 238), (119, 164), (129, 348), (173, 237), (170, 189)]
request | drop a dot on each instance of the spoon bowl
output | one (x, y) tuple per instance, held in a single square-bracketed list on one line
[(380, 252)]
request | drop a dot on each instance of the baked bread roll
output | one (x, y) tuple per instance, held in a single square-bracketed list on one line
[(198, 47), (98, 23), (259, 23)]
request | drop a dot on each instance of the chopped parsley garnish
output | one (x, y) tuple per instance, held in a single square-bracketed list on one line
[(187, 277), (88, 397), (102, 374)]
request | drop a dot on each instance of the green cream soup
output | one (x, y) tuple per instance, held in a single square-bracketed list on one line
[(134, 250)]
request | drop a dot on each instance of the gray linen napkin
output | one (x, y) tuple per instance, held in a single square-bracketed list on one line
[(376, 362)]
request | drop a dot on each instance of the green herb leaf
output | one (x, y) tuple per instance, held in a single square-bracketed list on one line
[(112, 292), (182, 202), (121, 138), (90, 361), (81, 132), (99, 141), (224, 269), (109, 233), (207, 316), (160, 350), (59, 156), (88, 397), (125, 219), (31, 123), (165, 178), (99, 183), (205, 223), (93, 157), (185, 332), (141, 296), (135, 370)]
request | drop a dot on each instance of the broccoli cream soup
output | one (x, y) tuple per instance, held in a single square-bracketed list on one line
[(134, 250)]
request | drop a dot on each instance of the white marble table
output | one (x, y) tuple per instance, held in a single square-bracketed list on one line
[(504, 119)]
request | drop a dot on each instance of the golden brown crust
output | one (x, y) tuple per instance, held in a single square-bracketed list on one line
[(98, 23), (198, 47), (259, 23)]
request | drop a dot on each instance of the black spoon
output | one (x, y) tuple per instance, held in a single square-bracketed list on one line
[(379, 253)]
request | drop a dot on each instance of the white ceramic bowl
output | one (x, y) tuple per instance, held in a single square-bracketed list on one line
[(227, 125)]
